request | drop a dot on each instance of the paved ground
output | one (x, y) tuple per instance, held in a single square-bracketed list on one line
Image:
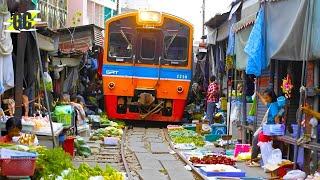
[(153, 155)]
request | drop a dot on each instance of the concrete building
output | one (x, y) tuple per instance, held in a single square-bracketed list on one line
[(84, 12), (53, 12)]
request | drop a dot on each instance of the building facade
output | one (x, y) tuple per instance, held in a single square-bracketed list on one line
[(84, 12), (53, 12)]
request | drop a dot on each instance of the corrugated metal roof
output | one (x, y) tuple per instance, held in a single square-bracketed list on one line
[(81, 42), (84, 37)]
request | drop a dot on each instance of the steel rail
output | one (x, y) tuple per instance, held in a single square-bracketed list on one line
[(123, 155), (195, 170)]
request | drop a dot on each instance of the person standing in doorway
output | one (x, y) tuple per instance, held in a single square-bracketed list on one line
[(212, 97)]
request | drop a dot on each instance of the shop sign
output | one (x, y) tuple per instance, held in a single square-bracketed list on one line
[(22, 21)]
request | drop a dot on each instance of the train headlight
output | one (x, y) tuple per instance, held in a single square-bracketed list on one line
[(111, 85), (149, 17), (179, 89)]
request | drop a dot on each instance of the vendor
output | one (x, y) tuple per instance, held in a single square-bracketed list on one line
[(309, 111), (269, 99), (13, 127), (307, 134)]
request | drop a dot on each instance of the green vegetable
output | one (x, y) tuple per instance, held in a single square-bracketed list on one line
[(85, 172), (52, 162), (84, 150)]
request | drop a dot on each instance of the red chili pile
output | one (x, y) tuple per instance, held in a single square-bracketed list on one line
[(213, 159)]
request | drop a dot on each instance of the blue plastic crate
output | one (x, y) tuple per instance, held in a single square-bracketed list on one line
[(223, 174), (218, 129)]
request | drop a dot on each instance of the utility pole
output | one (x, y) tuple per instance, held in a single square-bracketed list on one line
[(203, 16), (118, 10)]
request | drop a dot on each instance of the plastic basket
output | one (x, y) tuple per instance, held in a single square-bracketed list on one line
[(191, 127), (17, 166), (212, 137)]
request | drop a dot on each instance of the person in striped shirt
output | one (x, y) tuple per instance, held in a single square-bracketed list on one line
[(212, 97)]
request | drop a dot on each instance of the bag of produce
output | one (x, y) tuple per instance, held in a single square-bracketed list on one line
[(84, 150), (48, 81)]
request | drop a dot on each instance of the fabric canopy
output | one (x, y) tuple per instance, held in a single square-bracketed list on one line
[(285, 23), (223, 31), (315, 38)]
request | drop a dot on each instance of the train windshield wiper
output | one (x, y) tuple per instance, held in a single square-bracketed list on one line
[(125, 37), (169, 44)]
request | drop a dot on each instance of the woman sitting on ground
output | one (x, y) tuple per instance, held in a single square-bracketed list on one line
[(269, 99)]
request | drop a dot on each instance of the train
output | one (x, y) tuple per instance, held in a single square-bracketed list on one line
[(147, 66)]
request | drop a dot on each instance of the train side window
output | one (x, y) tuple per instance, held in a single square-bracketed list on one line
[(148, 47), (120, 45), (175, 48)]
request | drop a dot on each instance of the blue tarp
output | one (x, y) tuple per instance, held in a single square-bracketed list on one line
[(255, 48)]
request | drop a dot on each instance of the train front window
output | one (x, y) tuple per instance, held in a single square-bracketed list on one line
[(148, 48), (175, 48), (120, 45)]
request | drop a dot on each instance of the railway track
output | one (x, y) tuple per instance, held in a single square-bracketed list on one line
[(106, 154), (143, 153)]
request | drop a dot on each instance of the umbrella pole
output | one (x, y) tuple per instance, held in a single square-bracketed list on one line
[(45, 91)]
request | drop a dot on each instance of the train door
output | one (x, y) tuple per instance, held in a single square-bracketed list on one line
[(149, 51)]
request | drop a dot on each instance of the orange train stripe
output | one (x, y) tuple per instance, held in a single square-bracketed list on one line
[(124, 86)]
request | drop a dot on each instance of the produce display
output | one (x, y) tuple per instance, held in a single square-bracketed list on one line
[(99, 134), (51, 163), (182, 133), (180, 136), (85, 172), (104, 121), (38, 121), (56, 164), (82, 148), (213, 159), (27, 139), (198, 141)]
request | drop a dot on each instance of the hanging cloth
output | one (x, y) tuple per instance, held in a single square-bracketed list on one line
[(100, 64), (255, 48), (6, 47)]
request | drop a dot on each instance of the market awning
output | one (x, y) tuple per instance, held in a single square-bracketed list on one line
[(243, 29), (315, 38), (71, 62), (45, 43), (223, 31), (285, 28)]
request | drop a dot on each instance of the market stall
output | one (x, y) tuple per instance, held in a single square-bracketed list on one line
[(207, 154)]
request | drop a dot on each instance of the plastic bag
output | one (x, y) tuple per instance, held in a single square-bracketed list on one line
[(266, 151), (276, 157), (252, 111), (48, 81), (295, 175), (235, 115)]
